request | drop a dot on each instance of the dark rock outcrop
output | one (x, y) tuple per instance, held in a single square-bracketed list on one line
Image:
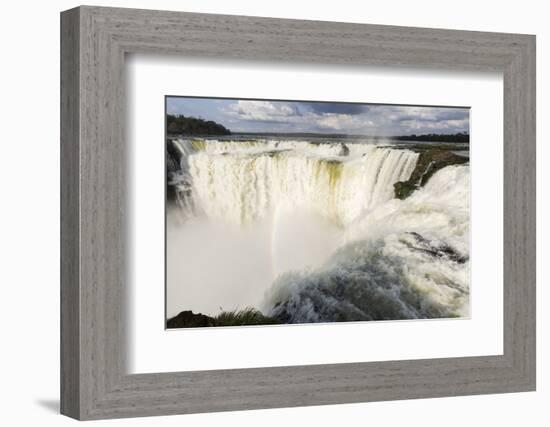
[(247, 317), (173, 161), (188, 319), (429, 162), (173, 156), (419, 243), (344, 150)]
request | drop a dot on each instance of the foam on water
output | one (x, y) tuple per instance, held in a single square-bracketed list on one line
[(404, 260), (311, 232), (244, 181)]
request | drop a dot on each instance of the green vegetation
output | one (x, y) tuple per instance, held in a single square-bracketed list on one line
[(181, 125), (429, 162), (246, 317), (434, 137)]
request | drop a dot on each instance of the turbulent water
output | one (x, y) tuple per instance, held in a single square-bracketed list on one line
[(387, 272), (242, 182), (311, 232)]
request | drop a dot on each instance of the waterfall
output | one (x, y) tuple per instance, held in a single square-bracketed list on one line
[(244, 181), (311, 232), (407, 259)]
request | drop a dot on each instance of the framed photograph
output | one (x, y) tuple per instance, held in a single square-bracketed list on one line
[(293, 212), (262, 213)]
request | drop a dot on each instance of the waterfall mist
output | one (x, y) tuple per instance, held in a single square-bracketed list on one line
[(214, 267), (311, 232)]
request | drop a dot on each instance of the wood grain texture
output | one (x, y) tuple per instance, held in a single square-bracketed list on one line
[(70, 291), (94, 231)]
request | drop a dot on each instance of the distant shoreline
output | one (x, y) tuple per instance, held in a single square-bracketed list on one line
[(456, 137), (180, 125), (436, 138)]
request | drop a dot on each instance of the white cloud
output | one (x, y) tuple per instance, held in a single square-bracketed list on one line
[(261, 111), (374, 120), (341, 121)]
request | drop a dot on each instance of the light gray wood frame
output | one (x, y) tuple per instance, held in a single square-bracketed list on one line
[(94, 41)]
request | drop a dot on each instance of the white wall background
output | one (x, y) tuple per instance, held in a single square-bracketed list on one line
[(29, 214)]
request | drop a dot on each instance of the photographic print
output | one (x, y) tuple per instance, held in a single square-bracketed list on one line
[(292, 212)]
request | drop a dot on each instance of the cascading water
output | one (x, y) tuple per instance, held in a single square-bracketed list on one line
[(242, 182), (386, 271), (311, 232)]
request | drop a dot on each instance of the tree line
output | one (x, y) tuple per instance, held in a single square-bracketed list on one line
[(457, 137), (182, 125)]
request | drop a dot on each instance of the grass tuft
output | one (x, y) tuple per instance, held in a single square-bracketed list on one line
[(247, 316)]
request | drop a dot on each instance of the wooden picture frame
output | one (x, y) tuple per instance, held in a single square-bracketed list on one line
[(94, 382)]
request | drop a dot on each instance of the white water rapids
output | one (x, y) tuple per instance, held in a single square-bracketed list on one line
[(311, 232), (242, 182)]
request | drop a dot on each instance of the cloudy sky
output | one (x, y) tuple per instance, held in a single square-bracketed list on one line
[(322, 117)]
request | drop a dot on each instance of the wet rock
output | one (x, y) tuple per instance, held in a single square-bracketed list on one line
[(344, 150), (245, 317), (188, 319), (436, 249), (428, 163)]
